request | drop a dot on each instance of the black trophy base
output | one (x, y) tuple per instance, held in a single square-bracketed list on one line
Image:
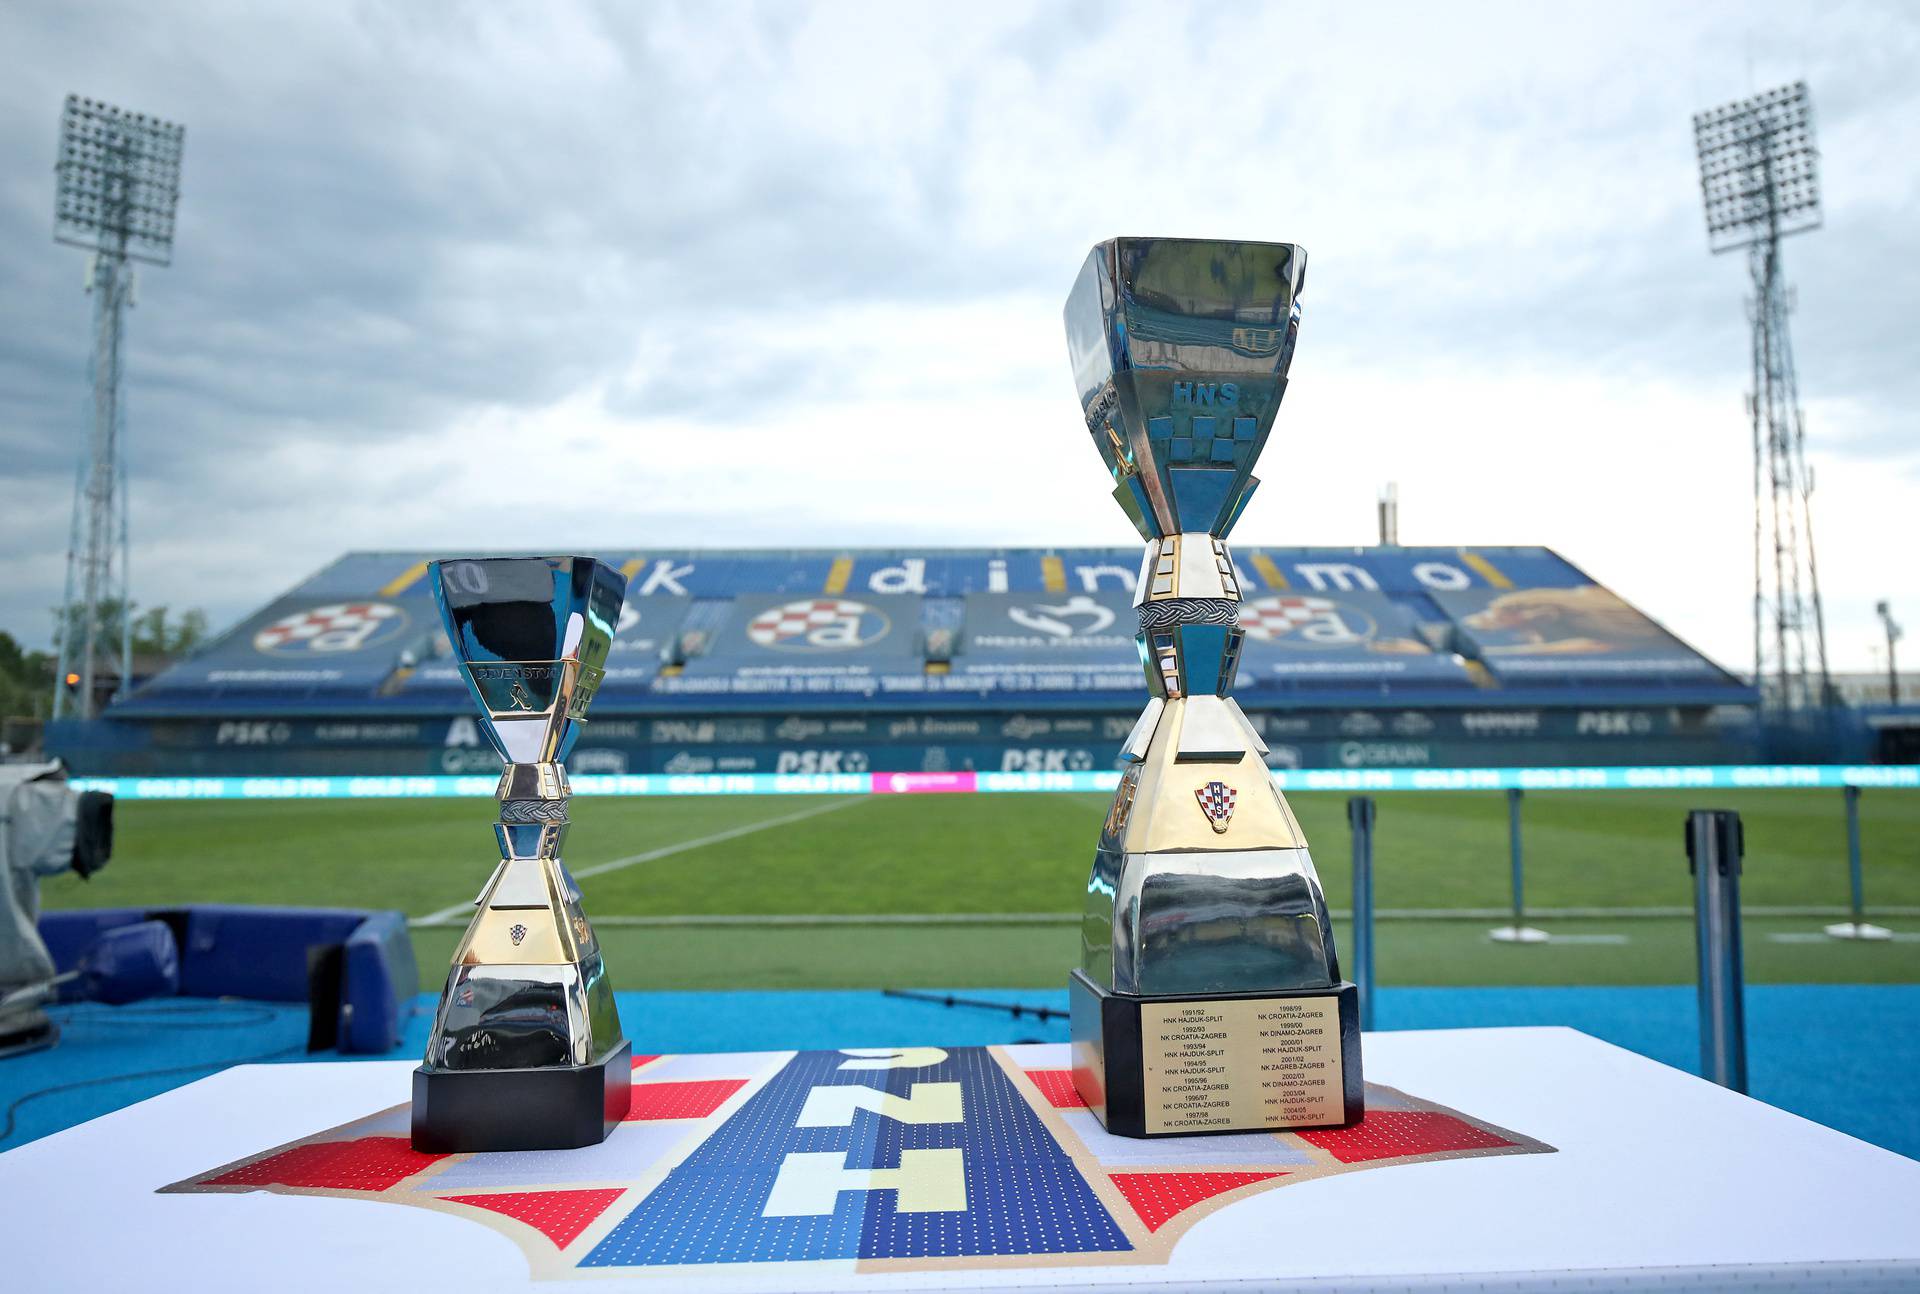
[(1204, 1063), (556, 1108)]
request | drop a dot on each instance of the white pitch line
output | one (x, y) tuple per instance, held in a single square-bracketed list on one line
[(447, 914), (1610, 914), (848, 919)]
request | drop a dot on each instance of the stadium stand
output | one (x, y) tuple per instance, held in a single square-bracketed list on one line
[(1013, 659)]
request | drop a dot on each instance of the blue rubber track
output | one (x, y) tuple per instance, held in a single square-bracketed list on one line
[(1847, 1056)]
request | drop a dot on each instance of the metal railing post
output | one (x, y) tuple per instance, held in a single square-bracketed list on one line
[(1360, 821), (1855, 926), (1516, 858), (1519, 932), (1715, 846)]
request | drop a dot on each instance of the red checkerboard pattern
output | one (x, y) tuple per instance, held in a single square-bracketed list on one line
[(1057, 1086), (311, 623), (690, 1100), (1216, 801), (797, 619), (363, 1164), (1270, 618), (560, 1216), (1157, 1197), (1391, 1134)]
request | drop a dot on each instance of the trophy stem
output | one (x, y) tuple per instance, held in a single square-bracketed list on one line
[(526, 1050)]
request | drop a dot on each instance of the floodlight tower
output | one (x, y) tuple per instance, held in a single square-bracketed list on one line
[(1884, 610), (119, 182), (1759, 179)]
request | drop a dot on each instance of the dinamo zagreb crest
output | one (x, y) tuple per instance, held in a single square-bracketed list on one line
[(817, 624), (803, 1167), (1293, 620), (339, 627)]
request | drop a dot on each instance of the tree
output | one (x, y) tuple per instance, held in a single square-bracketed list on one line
[(156, 631), (152, 632), (26, 680)]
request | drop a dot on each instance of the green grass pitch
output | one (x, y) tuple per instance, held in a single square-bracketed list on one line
[(969, 856)]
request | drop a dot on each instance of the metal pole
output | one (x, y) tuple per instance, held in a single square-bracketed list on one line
[(65, 629), (1856, 927), (1858, 907), (1715, 846), (99, 539), (1519, 932), (126, 579), (1360, 821), (1514, 857), (1884, 610)]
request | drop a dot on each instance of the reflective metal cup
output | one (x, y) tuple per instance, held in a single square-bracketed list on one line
[(1209, 996), (526, 1051)]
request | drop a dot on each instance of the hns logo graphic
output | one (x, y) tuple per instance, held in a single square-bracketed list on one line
[(1306, 622), (923, 1158), (1206, 394), (1216, 801), (817, 624), (340, 627)]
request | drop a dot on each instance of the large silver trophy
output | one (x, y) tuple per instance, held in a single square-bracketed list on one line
[(526, 1051), (1209, 997)]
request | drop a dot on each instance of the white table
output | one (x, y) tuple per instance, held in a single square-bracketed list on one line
[(1653, 1178)]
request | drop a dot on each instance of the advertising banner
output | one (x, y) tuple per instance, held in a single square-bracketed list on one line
[(1029, 642), (816, 645), (1306, 641), (1580, 635), (302, 649), (958, 572)]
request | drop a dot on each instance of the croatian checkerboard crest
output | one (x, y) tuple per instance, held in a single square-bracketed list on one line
[(1216, 801), (336, 627), (817, 624)]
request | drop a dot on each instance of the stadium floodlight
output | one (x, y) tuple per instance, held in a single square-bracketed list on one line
[(1884, 610), (119, 181), (119, 184), (1759, 183), (1759, 170)]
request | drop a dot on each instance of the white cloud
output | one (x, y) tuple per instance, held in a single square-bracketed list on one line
[(727, 274)]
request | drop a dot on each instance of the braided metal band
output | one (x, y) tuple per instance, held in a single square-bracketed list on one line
[(533, 811), (1189, 611)]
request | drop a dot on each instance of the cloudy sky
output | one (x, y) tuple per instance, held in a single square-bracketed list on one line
[(569, 275)]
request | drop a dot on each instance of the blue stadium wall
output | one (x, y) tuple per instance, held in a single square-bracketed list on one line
[(912, 660)]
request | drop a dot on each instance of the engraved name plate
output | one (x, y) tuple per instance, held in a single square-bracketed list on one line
[(1241, 1063)]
